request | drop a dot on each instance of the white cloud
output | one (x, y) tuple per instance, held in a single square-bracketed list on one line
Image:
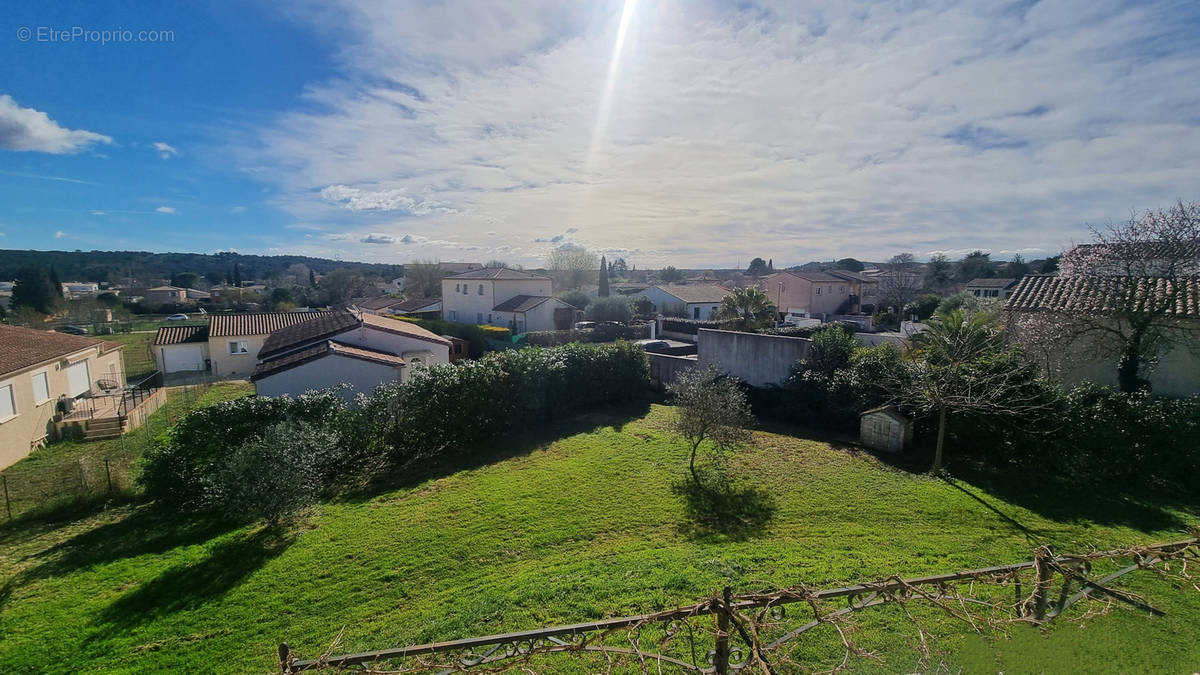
[(783, 129), (59, 234), (33, 130), (378, 239), (165, 209), (165, 151), (357, 199)]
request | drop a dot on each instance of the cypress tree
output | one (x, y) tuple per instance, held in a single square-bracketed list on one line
[(237, 275), (55, 284), (603, 281)]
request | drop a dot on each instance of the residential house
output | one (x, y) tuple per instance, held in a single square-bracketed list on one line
[(167, 295), (420, 307), (79, 289), (1097, 299), (345, 347), (380, 305), (800, 293), (499, 296), (991, 288), (228, 346), (693, 301), (864, 290), (37, 368)]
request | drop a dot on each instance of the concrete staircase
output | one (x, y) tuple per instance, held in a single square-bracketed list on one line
[(104, 427)]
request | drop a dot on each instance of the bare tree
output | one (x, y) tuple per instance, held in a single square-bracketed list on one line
[(571, 266), (710, 407), (423, 279), (1134, 282), (901, 282)]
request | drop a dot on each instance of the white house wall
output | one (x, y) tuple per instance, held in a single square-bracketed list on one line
[(474, 308), (329, 371)]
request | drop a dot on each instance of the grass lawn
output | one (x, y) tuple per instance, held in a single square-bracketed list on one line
[(570, 523), (50, 476), (137, 354)]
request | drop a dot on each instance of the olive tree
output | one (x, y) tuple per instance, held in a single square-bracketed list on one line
[(710, 408)]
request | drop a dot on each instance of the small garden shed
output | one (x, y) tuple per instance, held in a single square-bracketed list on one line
[(885, 428)]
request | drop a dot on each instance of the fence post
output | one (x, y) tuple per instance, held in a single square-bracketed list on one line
[(1045, 574), (7, 504), (108, 476), (721, 658), (82, 480)]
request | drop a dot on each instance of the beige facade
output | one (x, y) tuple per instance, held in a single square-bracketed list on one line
[(235, 356), (32, 392), (813, 293)]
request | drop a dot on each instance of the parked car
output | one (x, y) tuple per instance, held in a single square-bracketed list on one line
[(584, 325), (177, 317), (654, 346), (72, 329)]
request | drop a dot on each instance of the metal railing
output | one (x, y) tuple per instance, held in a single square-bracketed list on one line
[(751, 628)]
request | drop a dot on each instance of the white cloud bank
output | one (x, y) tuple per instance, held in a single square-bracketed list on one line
[(27, 129), (788, 130), (166, 209)]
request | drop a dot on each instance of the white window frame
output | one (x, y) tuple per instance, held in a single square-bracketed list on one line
[(239, 347), (45, 376), (12, 397), (453, 315)]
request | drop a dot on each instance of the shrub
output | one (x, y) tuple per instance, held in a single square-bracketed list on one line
[(831, 348), (923, 307), (612, 308), (642, 307), (690, 326), (274, 474), (576, 298), (180, 472)]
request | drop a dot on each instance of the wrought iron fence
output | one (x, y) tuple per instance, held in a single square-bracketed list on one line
[(729, 633)]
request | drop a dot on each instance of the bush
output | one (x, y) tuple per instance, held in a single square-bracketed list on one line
[(831, 348), (612, 308), (448, 406), (923, 307), (577, 299), (274, 474), (601, 333), (832, 400), (181, 471), (690, 326)]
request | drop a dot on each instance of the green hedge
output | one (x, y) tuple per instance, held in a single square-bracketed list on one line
[(440, 408), (601, 333)]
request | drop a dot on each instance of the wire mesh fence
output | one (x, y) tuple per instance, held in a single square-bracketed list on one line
[(80, 472)]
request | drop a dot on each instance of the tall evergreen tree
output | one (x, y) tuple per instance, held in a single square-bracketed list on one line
[(228, 276), (312, 278), (603, 282), (237, 275), (33, 290), (55, 283)]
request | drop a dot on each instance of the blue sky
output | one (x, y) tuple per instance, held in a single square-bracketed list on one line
[(683, 133)]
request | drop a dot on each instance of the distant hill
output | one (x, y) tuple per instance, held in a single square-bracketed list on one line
[(117, 265)]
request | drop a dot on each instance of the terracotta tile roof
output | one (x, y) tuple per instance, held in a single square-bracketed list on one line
[(379, 303), (521, 303), (177, 335), (261, 323), (328, 324), (1103, 294), (499, 273), (696, 292), (406, 328), (815, 277), (25, 347), (847, 275), (322, 325), (415, 304), (321, 350), (992, 283)]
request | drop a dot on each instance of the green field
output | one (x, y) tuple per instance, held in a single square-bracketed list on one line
[(577, 522), (137, 354)]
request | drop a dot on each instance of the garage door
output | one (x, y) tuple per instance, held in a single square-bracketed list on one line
[(183, 357), (78, 380)]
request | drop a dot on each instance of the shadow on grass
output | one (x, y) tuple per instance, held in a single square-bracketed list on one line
[(1059, 498), (189, 585), (719, 510), (145, 530), (515, 443)]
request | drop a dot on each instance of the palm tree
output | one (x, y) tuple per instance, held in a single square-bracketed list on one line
[(748, 305), (961, 365)]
